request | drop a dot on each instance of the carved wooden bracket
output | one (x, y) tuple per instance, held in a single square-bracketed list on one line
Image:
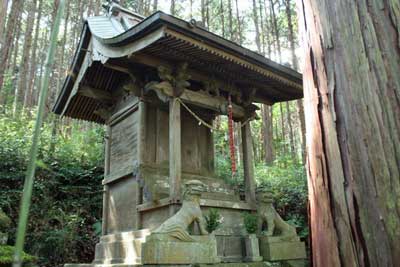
[(178, 78)]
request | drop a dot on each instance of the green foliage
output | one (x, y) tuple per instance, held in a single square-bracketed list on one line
[(6, 257), (67, 193), (5, 221), (285, 177), (250, 222), (213, 220), (289, 189)]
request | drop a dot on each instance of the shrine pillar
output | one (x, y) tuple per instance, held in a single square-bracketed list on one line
[(248, 164), (175, 163)]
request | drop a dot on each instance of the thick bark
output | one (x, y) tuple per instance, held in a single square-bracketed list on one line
[(3, 15), (5, 50), (352, 106)]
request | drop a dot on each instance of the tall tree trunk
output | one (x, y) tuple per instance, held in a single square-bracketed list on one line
[(203, 12), (26, 51), (291, 136), (276, 30), (352, 107), (35, 97), (262, 27), (221, 6), (230, 20), (267, 134), (299, 102), (13, 66), (283, 132), (239, 27), (266, 110), (140, 6), (97, 6), (256, 26), (3, 15), (172, 9), (208, 14), (16, 8), (155, 5), (33, 65)]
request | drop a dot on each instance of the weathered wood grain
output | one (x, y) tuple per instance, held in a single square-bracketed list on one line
[(175, 159), (123, 152), (248, 165), (352, 106)]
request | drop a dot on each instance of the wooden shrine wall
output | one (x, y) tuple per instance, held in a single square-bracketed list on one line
[(197, 143)]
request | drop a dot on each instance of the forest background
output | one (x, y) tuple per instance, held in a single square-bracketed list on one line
[(65, 219)]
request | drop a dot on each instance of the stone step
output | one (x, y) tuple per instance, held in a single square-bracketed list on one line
[(121, 248)]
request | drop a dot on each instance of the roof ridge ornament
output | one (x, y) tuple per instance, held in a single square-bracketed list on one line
[(114, 8), (109, 6)]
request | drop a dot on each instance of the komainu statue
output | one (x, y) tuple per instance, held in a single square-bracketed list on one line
[(190, 212), (275, 224)]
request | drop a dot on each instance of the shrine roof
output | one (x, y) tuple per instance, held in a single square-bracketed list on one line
[(128, 39)]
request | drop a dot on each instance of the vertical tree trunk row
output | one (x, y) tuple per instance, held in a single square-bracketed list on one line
[(16, 8), (33, 64)]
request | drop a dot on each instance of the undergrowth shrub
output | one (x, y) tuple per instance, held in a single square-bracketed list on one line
[(250, 222), (6, 257), (213, 220), (67, 194)]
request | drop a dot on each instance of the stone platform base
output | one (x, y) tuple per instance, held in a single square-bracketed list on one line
[(100, 265), (239, 264), (273, 249), (162, 249)]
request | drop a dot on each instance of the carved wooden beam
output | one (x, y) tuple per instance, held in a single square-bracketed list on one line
[(216, 103), (100, 95), (152, 61)]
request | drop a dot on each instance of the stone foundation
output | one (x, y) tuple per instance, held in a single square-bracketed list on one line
[(273, 249), (240, 264), (162, 249)]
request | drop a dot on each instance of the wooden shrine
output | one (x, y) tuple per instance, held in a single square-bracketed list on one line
[(150, 81)]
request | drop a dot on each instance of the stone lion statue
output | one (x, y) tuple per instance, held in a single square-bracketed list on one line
[(190, 212), (267, 214)]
